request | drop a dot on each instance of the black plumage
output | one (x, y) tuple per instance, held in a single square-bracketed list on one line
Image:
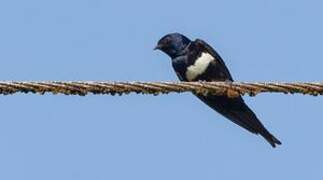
[(198, 61)]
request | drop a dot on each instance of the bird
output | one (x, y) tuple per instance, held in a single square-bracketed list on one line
[(198, 61)]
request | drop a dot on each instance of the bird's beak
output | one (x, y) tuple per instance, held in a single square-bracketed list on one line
[(158, 47)]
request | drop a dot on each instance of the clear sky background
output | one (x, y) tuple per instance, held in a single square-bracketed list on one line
[(171, 136)]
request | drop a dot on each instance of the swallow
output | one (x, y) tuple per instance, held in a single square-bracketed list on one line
[(198, 61)]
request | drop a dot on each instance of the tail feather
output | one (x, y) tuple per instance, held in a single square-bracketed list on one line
[(273, 141), (254, 125), (238, 112)]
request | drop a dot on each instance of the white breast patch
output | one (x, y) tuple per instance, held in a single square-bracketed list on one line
[(199, 66)]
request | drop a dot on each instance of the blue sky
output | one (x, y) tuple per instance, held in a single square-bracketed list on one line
[(171, 136)]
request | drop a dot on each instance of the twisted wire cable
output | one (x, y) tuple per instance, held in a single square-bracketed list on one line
[(231, 89)]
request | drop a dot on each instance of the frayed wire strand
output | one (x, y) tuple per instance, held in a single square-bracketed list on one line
[(231, 89)]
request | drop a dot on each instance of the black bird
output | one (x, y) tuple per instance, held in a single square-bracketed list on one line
[(198, 61)]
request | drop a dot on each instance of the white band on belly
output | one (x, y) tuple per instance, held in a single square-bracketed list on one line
[(199, 66)]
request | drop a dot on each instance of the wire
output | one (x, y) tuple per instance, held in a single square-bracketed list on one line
[(231, 89)]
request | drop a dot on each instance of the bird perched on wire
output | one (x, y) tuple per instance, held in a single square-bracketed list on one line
[(198, 61)]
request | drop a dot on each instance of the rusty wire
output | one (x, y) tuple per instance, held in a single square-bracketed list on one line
[(231, 89)]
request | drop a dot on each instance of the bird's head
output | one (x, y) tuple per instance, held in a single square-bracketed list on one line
[(173, 44)]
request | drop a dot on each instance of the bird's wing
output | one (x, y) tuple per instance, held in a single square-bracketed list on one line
[(235, 109), (221, 67)]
